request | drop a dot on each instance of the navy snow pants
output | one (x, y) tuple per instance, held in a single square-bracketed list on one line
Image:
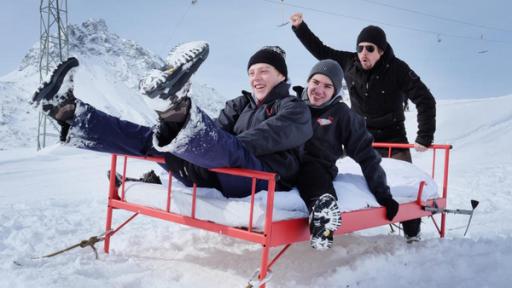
[(200, 145)]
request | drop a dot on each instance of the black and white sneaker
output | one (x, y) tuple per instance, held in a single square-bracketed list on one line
[(171, 82), (324, 220), (56, 94)]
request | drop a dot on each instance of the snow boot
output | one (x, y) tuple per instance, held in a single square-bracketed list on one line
[(171, 82), (56, 95), (412, 239), (118, 179), (412, 230), (150, 177), (324, 220)]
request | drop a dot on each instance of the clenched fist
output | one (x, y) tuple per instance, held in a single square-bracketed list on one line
[(296, 19)]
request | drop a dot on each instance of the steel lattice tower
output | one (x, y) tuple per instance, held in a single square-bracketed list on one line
[(53, 49)]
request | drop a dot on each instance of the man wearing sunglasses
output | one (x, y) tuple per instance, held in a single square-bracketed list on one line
[(379, 84)]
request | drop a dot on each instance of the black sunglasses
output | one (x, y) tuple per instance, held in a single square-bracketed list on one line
[(369, 48)]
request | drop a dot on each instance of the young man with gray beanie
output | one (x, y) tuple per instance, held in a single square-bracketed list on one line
[(337, 130), (380, 85)]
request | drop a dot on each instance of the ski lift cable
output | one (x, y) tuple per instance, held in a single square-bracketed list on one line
[(285, 22), (438, 17), (436, 33), (178, 24)]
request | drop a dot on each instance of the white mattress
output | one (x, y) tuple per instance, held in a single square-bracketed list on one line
[(353, 194)]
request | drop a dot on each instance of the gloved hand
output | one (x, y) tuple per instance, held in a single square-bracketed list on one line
[(391, 207)]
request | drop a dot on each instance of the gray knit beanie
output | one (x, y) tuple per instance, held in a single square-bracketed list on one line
[(331, 69)]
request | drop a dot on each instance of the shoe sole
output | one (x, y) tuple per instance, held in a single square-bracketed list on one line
[(52, 87), (320, 240), (179, 76)]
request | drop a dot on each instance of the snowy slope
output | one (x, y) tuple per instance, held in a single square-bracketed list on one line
[(18, 121), (56, 197), (481, 163)]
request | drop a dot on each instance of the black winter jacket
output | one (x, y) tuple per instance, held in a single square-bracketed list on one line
[(337, 129), (378, 94), (274, 130)]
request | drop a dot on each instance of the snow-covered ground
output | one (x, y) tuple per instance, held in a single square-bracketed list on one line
[(56, 197)]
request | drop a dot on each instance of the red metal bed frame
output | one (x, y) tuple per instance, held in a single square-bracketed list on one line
[(275, 233)]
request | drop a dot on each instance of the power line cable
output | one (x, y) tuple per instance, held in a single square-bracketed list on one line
[(176, 26), (437, 17), (362, 19)]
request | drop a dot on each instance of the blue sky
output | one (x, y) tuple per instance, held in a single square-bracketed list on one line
[(460, 49)]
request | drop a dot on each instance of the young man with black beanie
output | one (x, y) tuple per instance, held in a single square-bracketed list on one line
[(337, 130), (264, 130), (379, 84)]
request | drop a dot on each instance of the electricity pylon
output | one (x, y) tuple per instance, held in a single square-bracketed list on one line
[(53, 49)]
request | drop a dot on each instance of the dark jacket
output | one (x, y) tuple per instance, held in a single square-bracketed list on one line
[(378, 94), (274, 130), (337, 131)]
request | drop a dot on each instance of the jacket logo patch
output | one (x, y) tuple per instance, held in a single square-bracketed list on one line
[(324, 121)]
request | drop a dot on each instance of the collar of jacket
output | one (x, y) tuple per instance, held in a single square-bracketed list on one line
[(279, 91)]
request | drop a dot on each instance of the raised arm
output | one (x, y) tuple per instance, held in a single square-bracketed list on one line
[(315, 46)]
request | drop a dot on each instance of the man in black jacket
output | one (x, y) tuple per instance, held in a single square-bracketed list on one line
[(263, 130), (337, 130), (379, 83)]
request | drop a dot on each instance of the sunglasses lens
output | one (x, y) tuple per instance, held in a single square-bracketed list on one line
[(369, 48)]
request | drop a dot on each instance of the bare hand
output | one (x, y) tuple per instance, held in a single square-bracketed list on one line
[(420, 148), (296, 19)]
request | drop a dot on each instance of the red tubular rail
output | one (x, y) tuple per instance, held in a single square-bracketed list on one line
[(274, 233)]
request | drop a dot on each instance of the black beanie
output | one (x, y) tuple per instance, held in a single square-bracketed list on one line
[(331, 69), (271, 55), (375, 35)]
